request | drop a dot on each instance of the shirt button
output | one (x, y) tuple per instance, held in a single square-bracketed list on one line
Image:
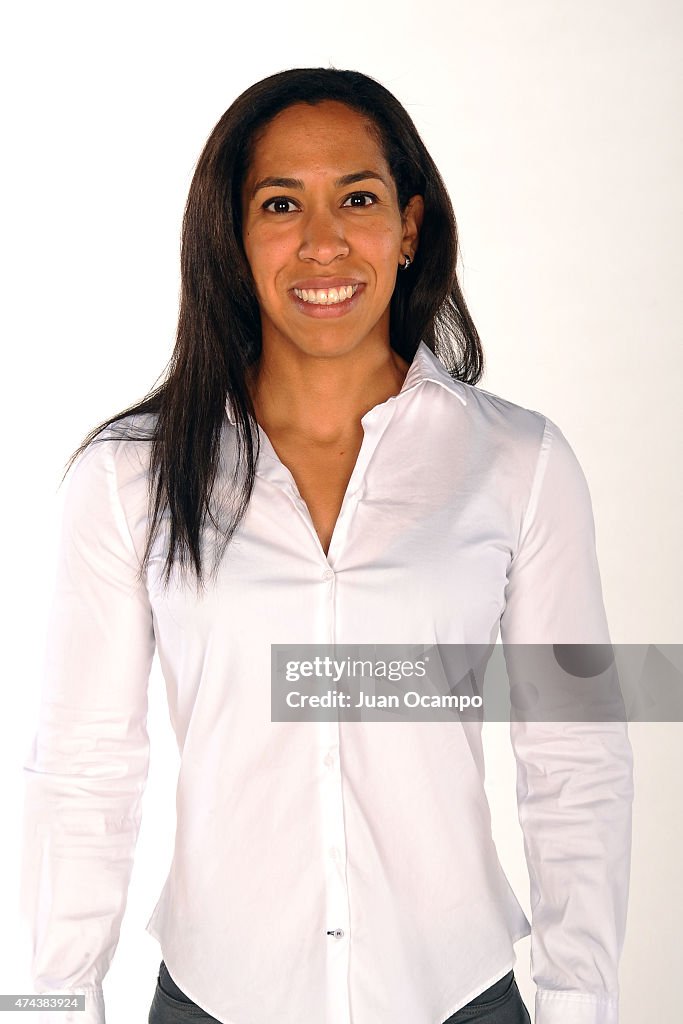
[(328, 574), (329, 760)]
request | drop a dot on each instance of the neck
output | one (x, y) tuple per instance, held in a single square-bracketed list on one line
[(322, 398)]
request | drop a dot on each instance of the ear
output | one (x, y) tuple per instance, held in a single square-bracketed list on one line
[(411, 219)]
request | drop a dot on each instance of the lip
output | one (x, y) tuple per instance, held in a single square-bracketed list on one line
[(326, 282), (328, 312)]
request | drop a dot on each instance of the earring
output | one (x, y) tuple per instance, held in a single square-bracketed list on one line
[(404, 266)]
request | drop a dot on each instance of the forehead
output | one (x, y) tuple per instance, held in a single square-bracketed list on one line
[(327, 135)]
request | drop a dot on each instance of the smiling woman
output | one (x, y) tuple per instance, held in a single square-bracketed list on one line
[(324, 263), (247, 248), (320, 436)]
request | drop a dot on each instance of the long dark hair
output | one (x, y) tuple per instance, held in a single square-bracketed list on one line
[(219, 328)]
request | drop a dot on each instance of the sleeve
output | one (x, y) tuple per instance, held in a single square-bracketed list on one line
[(574, 779), (87, 767)]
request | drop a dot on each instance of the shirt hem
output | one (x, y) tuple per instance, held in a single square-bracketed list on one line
[(500, 973), (150, 928)]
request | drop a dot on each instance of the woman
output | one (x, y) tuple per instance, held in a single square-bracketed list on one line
[(311, 472)]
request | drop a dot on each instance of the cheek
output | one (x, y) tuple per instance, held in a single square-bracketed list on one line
[(382, 246), (267, 256), (385, 257)]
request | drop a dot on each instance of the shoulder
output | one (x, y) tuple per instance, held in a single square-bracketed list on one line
[(493, 413), (123, 446), (486, 423), (485, 416), (557, 485), (498, 429), (523, 449), (515, 427), (111, 475)]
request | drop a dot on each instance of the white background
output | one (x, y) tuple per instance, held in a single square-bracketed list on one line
[(556, 126)]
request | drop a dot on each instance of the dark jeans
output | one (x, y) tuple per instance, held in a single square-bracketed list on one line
[(499, 1004)]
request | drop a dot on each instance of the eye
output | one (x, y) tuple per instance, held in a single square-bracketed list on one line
[(281, 203), (352, 200)]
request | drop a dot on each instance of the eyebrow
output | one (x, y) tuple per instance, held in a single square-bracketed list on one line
[(297, 183)]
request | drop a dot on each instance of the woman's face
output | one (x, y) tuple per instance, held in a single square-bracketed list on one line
[(320, 213)]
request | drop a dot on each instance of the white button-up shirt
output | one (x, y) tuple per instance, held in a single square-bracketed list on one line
[(332, 872)]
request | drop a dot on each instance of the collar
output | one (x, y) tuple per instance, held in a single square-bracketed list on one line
[(426, 366)]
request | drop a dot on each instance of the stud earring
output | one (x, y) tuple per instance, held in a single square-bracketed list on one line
[(404, 266)]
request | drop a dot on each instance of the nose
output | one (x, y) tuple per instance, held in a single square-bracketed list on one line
[(323, 238)]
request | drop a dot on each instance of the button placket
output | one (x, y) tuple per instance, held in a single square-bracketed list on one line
[(333, 834), (333, 837)]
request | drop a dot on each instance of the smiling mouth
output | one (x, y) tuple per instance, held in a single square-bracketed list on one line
[(326, 296)]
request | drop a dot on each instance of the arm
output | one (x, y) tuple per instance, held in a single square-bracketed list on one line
[(87, 767), (574, 779)]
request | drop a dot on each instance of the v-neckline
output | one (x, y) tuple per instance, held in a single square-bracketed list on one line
[(286, 477), (373, 424)]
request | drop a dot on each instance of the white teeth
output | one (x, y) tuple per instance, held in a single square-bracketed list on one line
[(326, 296)]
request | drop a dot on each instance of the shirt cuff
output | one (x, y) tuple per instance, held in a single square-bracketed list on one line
[(575, 1008), (93, 1013)]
